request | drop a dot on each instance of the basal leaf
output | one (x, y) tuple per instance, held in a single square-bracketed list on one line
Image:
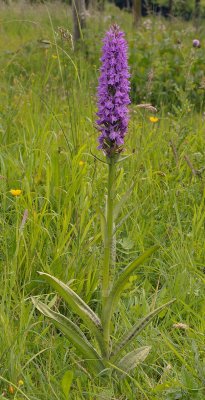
[(132, 359), (137, 328), (78, 306), (74, 334)]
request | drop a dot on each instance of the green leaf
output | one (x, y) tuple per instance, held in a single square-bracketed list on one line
[(66, 383), (132, 359), (78, 306), (74, 334), (137, 328), (122, 280), (126, 243), (122, 221), (121, 283), (75, 301)]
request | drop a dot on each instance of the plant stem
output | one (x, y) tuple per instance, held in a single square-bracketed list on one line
[(108, 249)]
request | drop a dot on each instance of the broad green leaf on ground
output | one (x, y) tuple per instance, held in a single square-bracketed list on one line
[(132, 359), (78, 306), (74, 334)]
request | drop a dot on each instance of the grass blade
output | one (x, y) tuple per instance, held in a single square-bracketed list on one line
[(66, 383)]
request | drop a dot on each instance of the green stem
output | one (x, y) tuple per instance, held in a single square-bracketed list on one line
[(108, 249)]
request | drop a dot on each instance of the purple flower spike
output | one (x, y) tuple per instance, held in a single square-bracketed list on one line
[(113, 92)]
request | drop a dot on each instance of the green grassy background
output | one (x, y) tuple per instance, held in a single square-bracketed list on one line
[(47, 114)]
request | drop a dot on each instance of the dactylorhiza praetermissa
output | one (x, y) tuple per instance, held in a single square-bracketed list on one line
[(109, 355), (113, 92)]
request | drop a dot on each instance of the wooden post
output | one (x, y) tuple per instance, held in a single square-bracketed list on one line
[(197, 9), (137, 11), (170, 6), (78, 8)]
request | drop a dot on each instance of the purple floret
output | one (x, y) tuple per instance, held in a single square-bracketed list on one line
[(113, 92), (196, 43)]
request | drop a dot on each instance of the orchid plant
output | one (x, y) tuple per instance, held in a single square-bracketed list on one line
[(99, 352)]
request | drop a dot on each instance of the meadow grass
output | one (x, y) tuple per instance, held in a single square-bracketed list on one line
[(47, 112)]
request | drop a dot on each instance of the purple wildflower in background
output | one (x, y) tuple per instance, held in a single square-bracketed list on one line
[(113, 92), (196, 43)]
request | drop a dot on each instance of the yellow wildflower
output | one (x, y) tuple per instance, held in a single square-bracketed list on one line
[(11, 389), (54, 56), (20, 382), (81, 163), (16, 192), (153, 119)]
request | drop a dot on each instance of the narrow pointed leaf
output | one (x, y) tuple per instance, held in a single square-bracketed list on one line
[(132, 359), (78, 306), (137, 328), (124, 158), (128, 271), (71, 297), (74, 334), (122, 221), (120, 285)]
